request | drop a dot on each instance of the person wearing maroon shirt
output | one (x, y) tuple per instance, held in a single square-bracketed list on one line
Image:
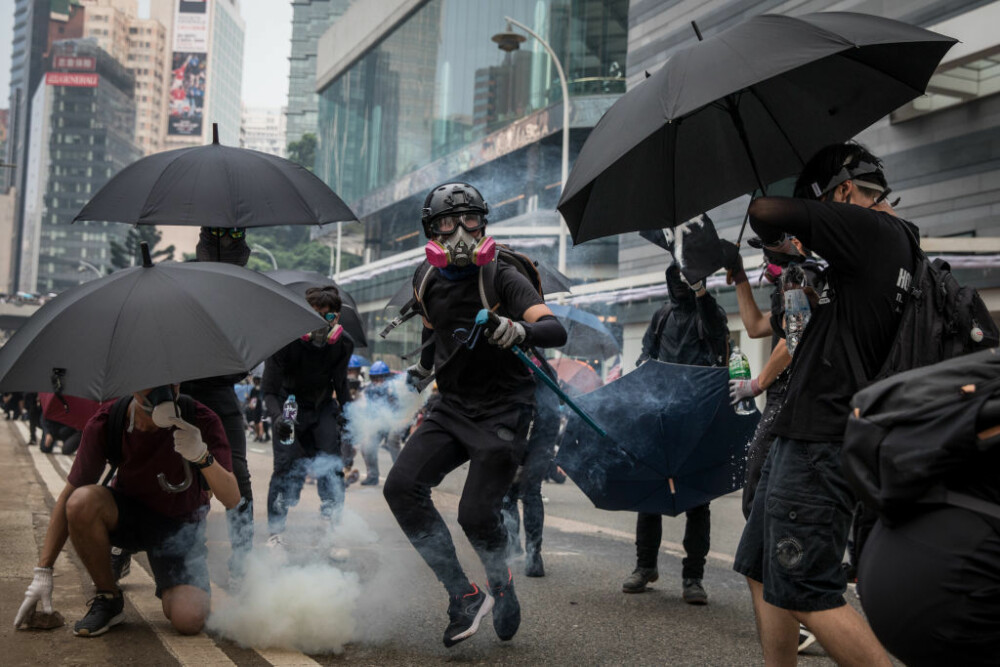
[(134, 512)]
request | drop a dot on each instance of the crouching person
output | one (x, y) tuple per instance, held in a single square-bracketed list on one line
[(146, 507)]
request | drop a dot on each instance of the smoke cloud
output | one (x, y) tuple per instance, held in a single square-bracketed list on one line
[(372, 416)]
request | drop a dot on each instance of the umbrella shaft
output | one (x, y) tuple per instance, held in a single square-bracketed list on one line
[(559, 392)]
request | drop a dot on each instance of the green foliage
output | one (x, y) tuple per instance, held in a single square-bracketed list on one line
[(127, 253), (292, 249), (303, 151)]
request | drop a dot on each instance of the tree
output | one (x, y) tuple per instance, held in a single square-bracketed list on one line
[(303, 151), (127, 253)]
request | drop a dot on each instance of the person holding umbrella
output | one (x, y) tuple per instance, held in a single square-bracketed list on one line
[(138, 513), (484, 413), (314, 370), (689, 329), (794, 540)]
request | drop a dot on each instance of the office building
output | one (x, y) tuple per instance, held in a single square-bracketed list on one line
[(264, 130)]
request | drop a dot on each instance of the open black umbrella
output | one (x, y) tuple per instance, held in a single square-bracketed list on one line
[(300, 281), (216, 186), (586, 335), (152, 325), (741, 110), (673, 443)]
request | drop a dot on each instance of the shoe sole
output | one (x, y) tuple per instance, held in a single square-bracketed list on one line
[(810, 639), (486, 608), (115, 620), (697, 602)]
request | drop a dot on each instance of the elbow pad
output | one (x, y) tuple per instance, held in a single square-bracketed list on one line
[(545, 332)]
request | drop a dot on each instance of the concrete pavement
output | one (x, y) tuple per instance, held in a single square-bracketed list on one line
[(575, 615)]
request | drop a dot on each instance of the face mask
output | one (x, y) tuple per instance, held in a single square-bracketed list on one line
[(224, 248), (323, 336), (460, 249), (159, 404)]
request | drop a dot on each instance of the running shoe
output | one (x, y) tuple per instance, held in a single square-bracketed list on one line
[(506, 610), (466, 612), (106, 610), (806, 638)]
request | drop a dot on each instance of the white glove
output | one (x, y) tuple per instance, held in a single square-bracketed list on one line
[(187, 440), (742, 389), (40, 589), (508, 333)]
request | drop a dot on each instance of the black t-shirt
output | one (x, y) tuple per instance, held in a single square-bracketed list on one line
[(486, 378), (871, 266)]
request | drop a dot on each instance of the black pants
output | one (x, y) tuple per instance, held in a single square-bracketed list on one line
[(697, 539), (528, 485), (316, 452), (494, 447)]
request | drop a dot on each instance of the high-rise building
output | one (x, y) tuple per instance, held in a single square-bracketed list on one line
[(264, 130), (205, 70), (310, 19), (82, 133)]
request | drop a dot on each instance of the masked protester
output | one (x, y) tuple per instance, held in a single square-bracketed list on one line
[(484, 412), (689, 329), (314, 370), (137, 513), (229, 245)]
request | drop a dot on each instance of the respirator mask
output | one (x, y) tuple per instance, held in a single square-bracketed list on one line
[(455, 245), (327, 335)]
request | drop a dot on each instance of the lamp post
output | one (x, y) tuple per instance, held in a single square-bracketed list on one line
[(511, 41), (260, 248), (87, 265)]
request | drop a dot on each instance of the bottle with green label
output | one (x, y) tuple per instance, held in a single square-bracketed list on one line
[(739, 369)]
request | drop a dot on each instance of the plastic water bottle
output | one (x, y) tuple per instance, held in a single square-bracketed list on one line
[(797, 309), (289, 414), (739, 369)]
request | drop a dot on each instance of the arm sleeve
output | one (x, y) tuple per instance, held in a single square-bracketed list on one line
[(547, 331), (714, 318), (88, 465), (427, 354), (270, 384), (339, 376)]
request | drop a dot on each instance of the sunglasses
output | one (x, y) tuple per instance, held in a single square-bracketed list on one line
[(232, 232), (447, 224)]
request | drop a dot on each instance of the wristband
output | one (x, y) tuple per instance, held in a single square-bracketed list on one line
[(205, 461)]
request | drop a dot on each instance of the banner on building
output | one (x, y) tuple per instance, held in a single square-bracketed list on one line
[(190, 60), (76, 63), (77, 79)]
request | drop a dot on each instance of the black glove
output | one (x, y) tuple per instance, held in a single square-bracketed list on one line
[(284, 429), (418, 377)]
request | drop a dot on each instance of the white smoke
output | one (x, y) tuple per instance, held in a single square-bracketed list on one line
[(370, 417)]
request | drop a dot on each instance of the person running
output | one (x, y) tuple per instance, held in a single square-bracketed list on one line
[(483, 415), (689, 329), (314, 370)]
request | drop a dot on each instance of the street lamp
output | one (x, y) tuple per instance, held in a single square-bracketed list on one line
[(87, 265), (511, 41), (258, 247)]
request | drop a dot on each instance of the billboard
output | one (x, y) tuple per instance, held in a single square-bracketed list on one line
[(190, 68), (78, 63), (76, 79)]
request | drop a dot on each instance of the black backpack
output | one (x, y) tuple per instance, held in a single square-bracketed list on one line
[(930, 435), (116, 429), (939, 321)]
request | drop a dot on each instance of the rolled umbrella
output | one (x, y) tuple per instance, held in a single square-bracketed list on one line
[(673, 443), (216, 186), (739, 111), (586, 335), (153, 325), (300, 281)]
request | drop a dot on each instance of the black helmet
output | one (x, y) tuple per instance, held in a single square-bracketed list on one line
[(452, 198)]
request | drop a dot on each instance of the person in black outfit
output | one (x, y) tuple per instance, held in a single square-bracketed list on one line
[(483, 415), (794, 540), (528, 485), (34, 408), (314, 369), (689, 329)]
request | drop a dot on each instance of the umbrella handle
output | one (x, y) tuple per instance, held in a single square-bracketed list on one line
[(176, 488)]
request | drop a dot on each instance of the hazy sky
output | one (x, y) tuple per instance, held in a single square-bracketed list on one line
[(267, 45)]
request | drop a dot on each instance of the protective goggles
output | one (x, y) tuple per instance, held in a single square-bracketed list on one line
[(232, 232), (856, 174), (330, 317), (447, 224)]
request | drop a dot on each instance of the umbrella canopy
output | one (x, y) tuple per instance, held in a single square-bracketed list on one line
[(300, 281), (216, 186), (586, 335), (739, 110), (674, 441), (152, 325), (75, 412), (576, 377)]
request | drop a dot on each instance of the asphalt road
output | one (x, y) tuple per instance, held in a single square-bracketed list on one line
[(383, 606)]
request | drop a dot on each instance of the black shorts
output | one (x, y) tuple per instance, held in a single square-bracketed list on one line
[(795, 538), (175, 548)]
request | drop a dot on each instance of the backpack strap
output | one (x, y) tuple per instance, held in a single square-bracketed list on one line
[(115, 429), (488, 294), (972, 503), (420, 280), (661, 324)]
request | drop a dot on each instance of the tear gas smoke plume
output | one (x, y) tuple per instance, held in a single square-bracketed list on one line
[(372, 416)]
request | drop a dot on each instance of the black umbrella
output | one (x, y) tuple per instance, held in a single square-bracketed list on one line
[(300, 281), (152, 325), (216, 186), (586, 335), (673, 443), (740, 110)]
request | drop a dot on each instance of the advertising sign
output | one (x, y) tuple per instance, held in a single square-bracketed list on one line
[(77, 63), (190, 69), (78, 79)]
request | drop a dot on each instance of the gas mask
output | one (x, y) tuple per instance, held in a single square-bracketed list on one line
[(327, 335), (220, 244), (460, 249)]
